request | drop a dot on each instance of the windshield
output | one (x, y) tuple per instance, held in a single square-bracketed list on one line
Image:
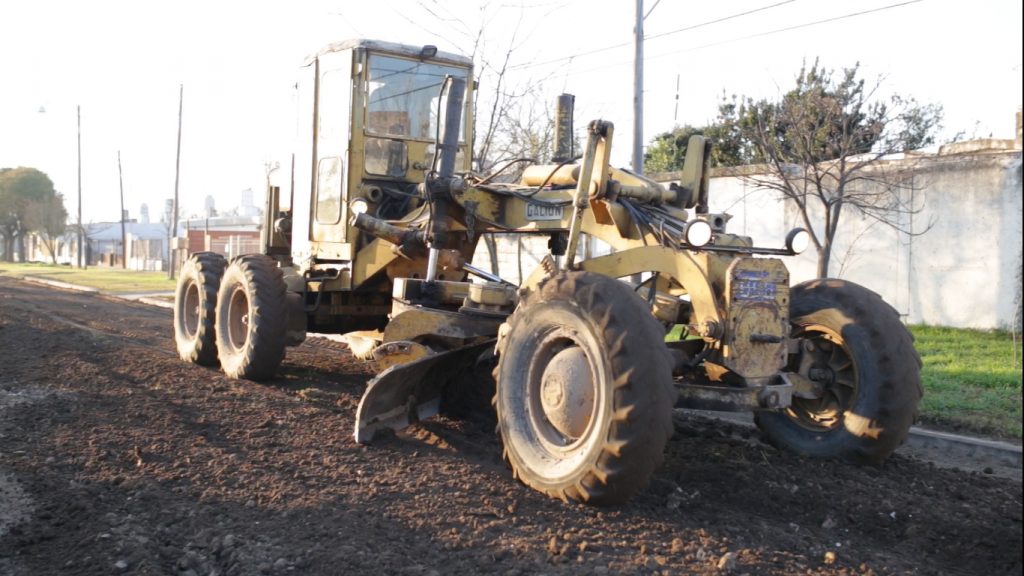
[(403, 96)]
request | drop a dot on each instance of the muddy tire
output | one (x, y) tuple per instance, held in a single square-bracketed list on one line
[(584, 390), (251, 318), (853, 344), (195, 308)]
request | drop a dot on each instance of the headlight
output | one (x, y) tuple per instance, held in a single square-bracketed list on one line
[(360, 206), (798, 240), (698, 233)]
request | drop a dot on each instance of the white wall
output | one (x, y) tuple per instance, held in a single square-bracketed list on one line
[(958, 268)]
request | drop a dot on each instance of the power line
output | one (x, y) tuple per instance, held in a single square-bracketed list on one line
[(606, 65), (702, 24), (613, 47), (798, 26), (656, 2)]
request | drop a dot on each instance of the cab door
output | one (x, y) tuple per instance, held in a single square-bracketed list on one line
[(332, 127)]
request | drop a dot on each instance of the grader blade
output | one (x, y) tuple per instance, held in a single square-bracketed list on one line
[(407, 393)]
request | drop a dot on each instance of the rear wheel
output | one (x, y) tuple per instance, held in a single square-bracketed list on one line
[(195, 306), (251, 318), (584, 390), (854, 347)]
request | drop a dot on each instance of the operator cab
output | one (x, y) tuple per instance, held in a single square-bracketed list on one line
[(367, 122)]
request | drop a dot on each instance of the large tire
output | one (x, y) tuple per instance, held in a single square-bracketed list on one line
[(195, 308), (856, 347), (584, 390), (251, 318)]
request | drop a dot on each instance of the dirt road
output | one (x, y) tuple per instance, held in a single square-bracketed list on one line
[(117, 458)]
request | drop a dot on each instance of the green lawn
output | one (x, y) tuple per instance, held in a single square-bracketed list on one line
[(108, 280), (971, 379)]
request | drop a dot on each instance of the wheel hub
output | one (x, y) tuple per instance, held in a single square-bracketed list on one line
[(567, 392)]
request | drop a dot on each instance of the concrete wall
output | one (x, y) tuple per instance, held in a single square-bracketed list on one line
[(958, 265)]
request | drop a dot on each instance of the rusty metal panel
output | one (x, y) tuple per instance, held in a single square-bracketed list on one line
[(757, 318)]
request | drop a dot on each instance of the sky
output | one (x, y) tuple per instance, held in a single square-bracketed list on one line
[(123, 63)]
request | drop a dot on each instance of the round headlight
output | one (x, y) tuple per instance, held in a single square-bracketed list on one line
[(698, 233), (360, 206), (798, 240)]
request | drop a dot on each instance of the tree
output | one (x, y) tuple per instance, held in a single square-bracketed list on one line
[(824, 144), (49, 219), (20, 190), (728, 147)]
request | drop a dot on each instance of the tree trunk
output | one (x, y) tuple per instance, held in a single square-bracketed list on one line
[(19, 247), (824, 257)]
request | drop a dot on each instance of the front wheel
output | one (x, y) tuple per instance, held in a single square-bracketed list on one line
[(584, 390), (251, 318), (853, 345)]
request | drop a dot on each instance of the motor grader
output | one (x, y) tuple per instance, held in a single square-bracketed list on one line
[(374, 238)]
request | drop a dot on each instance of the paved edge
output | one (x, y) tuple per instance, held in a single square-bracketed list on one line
[(953, 444), (966, 446), (152, 301), (57, 284), (969, 446)]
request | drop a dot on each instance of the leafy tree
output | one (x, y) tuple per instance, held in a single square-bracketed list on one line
[(49, 219), (20, 190), (668, 150), (824, 144)]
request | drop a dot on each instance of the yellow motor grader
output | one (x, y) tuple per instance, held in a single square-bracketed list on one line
[(375, 235)]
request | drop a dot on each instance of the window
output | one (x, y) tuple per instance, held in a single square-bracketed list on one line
[(386, 157), (329, 180), (403, 96)]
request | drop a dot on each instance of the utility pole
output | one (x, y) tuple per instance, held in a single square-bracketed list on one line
[(124, 237), (177, 168), (638, 91), (81, 247)]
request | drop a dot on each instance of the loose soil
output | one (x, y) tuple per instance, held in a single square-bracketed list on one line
[(118, 458)]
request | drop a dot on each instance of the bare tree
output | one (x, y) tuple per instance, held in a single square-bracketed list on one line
[(825, 144)]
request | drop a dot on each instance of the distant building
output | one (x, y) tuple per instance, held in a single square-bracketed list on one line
[(227, 235), (247, 208), (147, 246), (209, 207)]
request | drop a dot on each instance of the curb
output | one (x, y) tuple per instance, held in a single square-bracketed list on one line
[(58, 284), (966, 446), (984, 452), (151, 301)]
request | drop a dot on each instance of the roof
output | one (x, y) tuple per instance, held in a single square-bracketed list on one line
[(112, 230), (403, 49)]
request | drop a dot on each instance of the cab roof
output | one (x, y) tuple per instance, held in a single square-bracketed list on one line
[(392, 47)]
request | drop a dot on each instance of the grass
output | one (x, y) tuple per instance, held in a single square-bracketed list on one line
[(107, 280), (971, 379)]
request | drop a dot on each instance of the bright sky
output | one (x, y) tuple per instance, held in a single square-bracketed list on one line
[(123, 62)]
